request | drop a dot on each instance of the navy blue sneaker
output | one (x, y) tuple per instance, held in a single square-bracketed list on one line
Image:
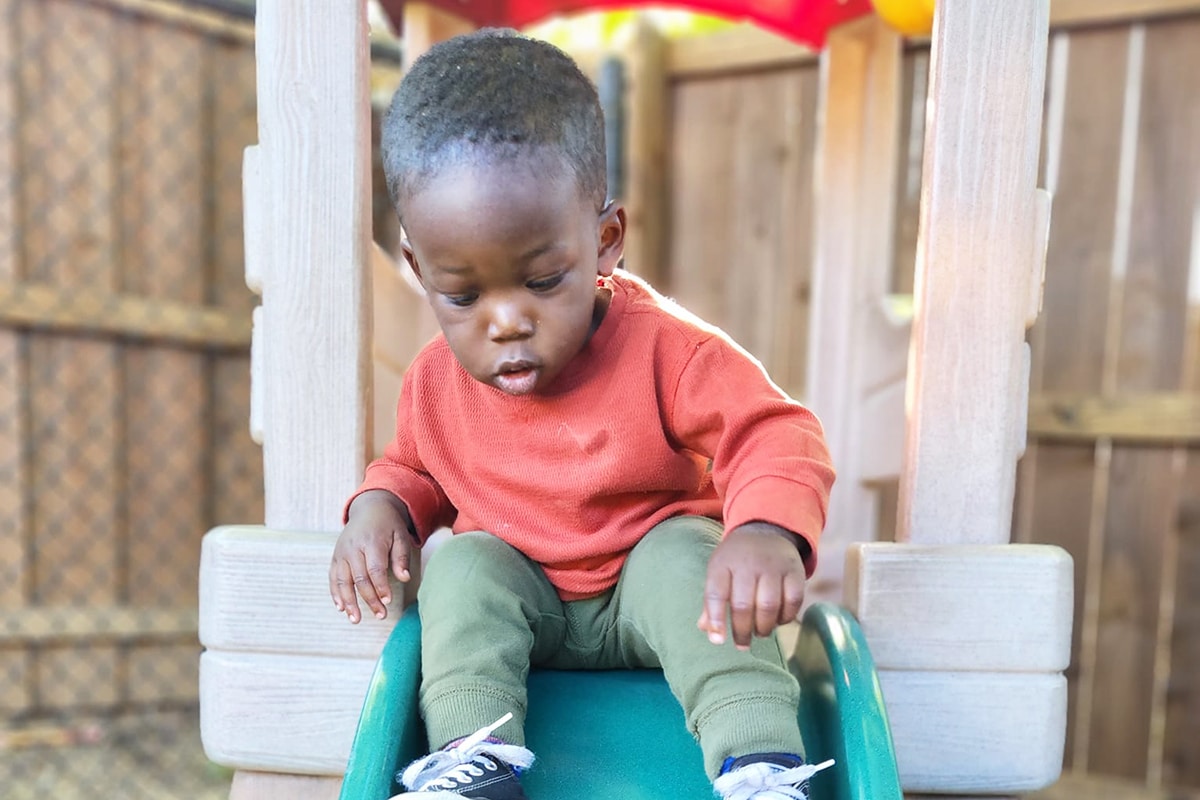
[(477, 767), (766, 776)]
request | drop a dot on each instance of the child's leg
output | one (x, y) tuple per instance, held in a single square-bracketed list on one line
[(484, 609), (737, 703)]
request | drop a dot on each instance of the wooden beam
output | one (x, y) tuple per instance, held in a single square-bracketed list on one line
[(268, 590), (963, 608), (744, 47), (645, 168), (1159, 418), (425, 25), (747, 47), (311, 239), (38, 305), (976, 255), (857, 154), (1064, 13), (189, 16), (73, 625)]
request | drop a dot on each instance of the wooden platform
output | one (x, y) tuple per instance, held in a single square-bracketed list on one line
[(1085, 787)]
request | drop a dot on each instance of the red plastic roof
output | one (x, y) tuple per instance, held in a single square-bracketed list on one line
[(805, 21)]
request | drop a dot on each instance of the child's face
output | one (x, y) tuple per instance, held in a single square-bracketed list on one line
[(508, 255)]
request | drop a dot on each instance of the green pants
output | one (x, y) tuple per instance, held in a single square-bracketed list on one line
[(488, 613)]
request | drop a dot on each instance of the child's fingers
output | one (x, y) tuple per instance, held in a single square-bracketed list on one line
[(742, 598), (793, 597), (400, 550), (380, 588), (768, 604), (341, 587), (716, 598)]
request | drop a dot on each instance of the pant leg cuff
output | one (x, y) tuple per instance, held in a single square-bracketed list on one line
[(746, 725), (457, 713)]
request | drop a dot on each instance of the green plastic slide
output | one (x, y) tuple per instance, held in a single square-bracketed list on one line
[(619, 734)]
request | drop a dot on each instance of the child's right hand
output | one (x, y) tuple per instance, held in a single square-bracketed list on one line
[(376, 536)]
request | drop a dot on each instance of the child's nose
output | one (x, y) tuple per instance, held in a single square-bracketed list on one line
[(509, 321)]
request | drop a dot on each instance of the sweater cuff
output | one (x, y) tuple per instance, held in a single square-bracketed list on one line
[(421, 502), (780, 501)]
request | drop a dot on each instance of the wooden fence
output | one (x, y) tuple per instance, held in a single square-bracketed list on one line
[(124, 334), (1112, 472)]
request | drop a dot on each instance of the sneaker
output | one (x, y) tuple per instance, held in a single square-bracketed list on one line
[(478, 767), (767, 776)]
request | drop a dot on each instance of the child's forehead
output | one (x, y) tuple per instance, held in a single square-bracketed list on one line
[(480, 172)]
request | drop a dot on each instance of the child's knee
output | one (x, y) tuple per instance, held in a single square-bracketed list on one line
[(685, 542), (474, 557)]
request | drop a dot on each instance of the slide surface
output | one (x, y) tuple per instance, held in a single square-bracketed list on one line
[(620, 735)]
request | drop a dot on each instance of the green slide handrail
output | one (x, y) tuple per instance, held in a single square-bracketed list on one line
[(841, 713), (841, 709)]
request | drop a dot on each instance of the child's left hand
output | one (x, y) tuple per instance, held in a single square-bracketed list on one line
[(758, 575)]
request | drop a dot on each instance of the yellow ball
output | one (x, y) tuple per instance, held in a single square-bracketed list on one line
[(910, 17)]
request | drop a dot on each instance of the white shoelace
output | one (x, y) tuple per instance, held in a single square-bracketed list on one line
[(447, 768), (765, 781)]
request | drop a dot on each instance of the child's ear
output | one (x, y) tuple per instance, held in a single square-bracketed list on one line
[(612, 238), (411, 258)]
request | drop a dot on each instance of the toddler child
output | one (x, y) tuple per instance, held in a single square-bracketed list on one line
[(626, 486)]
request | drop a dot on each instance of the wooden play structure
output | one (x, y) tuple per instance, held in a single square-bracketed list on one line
[(970, 634)]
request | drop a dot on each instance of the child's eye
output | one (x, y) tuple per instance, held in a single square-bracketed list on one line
[(545, 284), (462, 300)]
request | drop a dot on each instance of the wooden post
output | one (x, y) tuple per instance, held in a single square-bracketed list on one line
[(852, 351), (976, 259), (426, 25), (308, 230), (310, 233), (646, 155)]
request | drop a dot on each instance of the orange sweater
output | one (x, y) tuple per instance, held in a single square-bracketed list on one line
[(660, 415)]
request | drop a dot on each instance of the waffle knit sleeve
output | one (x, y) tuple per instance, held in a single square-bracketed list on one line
[(400, 471), (770, 462)]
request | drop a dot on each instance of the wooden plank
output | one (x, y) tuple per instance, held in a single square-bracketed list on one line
[(922, 607), (1181, 766), (269, 786), (914, 91), (856, 169), (403, 324), (1148, 355), (251, 705), (425, 25), (753, 136), (1073, 786), (236, 478), (703, 140), (315, 153), (978, 209), (1062, 497), (166, 427), (1158, 418), (192, 17), (646, 92), (743, 47), (1098, 12), (63, 624), (70, 235), (106, 313), (976, 732), (268, 590), (14, 428)]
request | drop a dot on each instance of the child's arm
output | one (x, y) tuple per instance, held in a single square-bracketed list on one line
[(771, 468), (378, 534), (757, 572)]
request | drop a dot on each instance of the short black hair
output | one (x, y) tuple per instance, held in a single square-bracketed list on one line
[(493, 93)]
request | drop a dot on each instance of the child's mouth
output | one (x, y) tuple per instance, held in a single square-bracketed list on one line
[(517, 379)]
